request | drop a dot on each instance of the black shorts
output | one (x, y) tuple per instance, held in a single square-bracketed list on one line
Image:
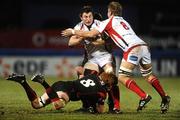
[(67, 87)]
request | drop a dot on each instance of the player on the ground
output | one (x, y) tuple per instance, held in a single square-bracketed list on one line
[(91, 89), (136, 53), (96, 54)]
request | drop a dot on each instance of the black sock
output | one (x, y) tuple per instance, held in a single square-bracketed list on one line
[(52, 94), (45, 85), (29, 91), (110, 101)]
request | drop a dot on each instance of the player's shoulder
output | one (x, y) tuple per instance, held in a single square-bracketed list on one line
[(97, 21), (90, 76), (78, 25), (118, 18)]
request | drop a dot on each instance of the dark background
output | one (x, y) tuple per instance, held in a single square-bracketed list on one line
[(148, 17), (33, 27)]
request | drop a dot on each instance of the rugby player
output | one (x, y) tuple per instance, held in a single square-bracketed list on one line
[(90, 89)]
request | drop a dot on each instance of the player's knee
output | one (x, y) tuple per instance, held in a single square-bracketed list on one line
[(35, 104), (124, 73), (146, 73), (79, 69), (109, 70), (38, 103)]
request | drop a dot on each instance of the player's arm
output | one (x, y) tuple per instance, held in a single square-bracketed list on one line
[(98, 41), (84, 34), (74, 40)]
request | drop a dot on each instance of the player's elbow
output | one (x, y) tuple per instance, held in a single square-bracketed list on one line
[(70, 44)]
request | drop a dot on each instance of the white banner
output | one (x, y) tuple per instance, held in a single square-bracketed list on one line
[(59, 66), (63, 66)]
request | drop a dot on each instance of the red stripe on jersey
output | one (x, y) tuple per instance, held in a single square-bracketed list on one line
[(112, 32)]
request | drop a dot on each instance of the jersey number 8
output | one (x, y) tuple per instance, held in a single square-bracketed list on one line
[(124, 25), (87, 82)]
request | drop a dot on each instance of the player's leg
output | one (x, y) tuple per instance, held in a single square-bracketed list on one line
[(90, 68), (146, 71), (79, 70), (40, 102), (125, 78), (21, 79), (52, 95), (45, 100), (105, 62), (114, 92), (130, 60)]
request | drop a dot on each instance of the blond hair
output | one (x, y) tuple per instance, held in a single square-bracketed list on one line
[(115, 8)]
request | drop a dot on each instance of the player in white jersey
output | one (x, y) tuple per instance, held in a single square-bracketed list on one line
[(136, 52), (95, 50), (96, 53)]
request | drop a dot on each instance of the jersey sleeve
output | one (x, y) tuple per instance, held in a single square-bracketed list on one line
[(77, 27), (102, 25)]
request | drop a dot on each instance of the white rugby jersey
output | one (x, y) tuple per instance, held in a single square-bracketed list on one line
[(90, 48), (120, 32)]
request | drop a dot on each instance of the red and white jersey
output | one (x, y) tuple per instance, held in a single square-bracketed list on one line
[(91, 49), (120, 32)]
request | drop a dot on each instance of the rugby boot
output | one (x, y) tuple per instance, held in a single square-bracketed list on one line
[(20, 78), (165, 104), (38, 78), (143, 102)]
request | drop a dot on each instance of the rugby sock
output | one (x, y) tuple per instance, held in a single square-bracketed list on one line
[(110, 101), (52, 94), (29, 91), (131, 84), (116, 97), (45, 85), (156, 84)]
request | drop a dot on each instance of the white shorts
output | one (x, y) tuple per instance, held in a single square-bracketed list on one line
[(102, 59), (138, 55)]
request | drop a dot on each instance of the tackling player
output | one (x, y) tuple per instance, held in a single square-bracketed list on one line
[(90, 89), (96, 54), (136, 53)]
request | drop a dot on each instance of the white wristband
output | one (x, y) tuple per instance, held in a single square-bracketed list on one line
[(73, 31)]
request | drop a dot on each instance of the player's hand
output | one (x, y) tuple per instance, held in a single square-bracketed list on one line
[(67, 32)]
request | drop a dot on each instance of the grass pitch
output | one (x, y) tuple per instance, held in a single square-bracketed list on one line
[(14, 104)]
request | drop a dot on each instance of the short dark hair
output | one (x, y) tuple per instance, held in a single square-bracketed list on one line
[(86, 9)]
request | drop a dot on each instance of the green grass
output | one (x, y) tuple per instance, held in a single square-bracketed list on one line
[(15, 105)]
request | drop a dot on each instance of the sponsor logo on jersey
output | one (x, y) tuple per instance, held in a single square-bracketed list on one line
[(133, 58)]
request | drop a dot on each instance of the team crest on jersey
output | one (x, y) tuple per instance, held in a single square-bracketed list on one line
[(133, 58)]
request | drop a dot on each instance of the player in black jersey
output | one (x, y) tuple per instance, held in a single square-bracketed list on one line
[(90, 89)]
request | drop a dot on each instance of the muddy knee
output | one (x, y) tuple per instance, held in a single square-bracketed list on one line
[(37, 103)]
